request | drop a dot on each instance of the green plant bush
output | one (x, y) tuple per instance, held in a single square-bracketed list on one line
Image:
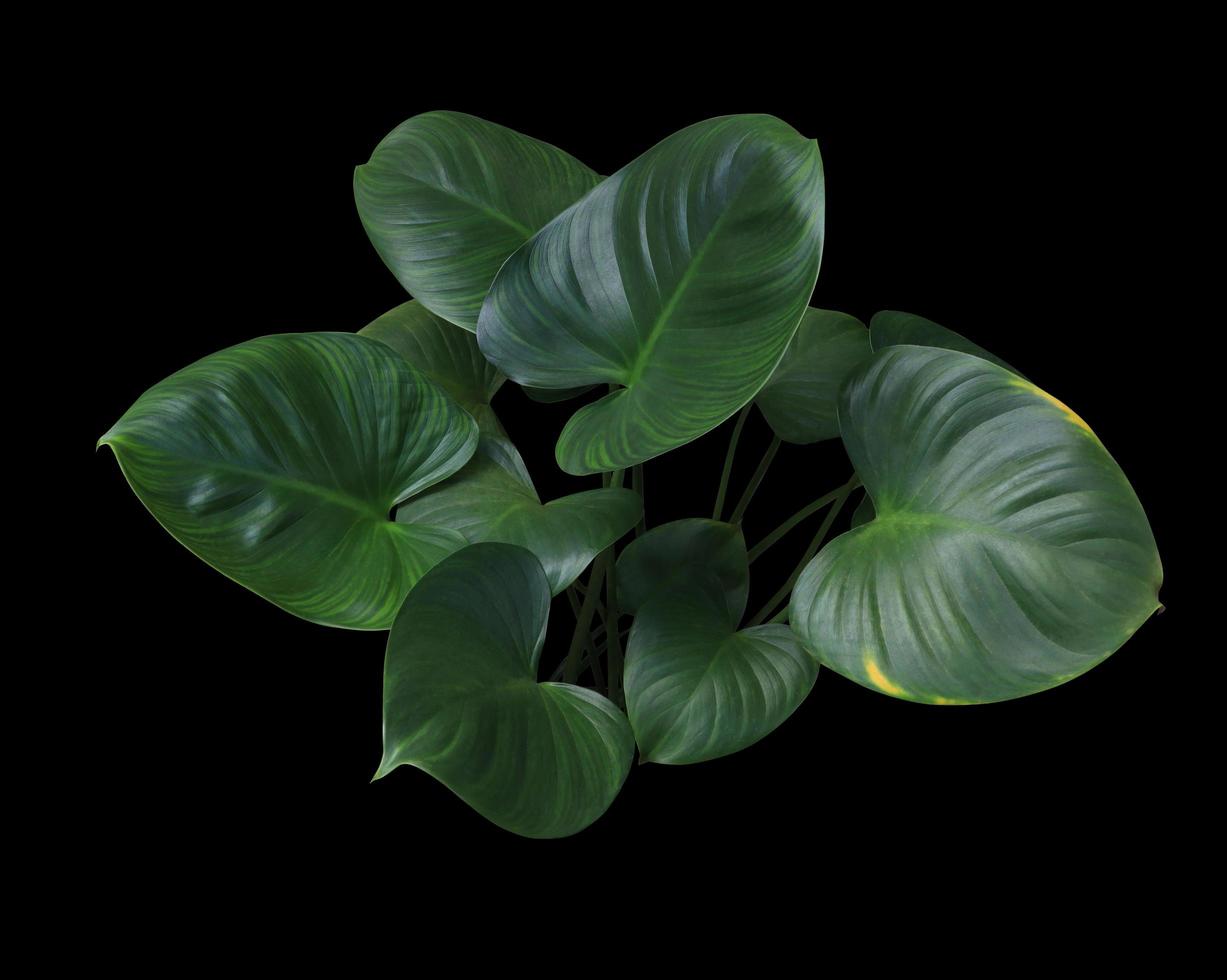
[(363, 480)]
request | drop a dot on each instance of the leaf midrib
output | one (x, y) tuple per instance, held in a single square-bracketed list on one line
[(688, 276), (332, 495), (930, 518), (522, 230)]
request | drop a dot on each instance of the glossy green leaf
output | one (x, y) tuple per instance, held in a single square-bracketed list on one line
[(696, 687), (278, 462), (681, 278), (462, 701), (799, 399), (484, 502), (1008, 552), (891, 328), (446, 197), (666, 558)]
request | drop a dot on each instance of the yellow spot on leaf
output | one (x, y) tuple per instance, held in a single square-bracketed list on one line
[(1052, 400), (880, 680)]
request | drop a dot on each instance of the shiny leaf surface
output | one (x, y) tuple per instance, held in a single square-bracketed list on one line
[(696, 689), (1008, 552), (446, 197), (799, 399), (681, 278), (278, 462), (462, 701)]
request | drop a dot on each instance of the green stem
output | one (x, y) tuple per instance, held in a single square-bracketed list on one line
[(792, 522), (728, 463), (583, 622), (740, 510), (613, 642), (637, 486), (785, 589)]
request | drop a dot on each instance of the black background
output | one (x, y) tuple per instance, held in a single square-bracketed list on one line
[(1005, 201)]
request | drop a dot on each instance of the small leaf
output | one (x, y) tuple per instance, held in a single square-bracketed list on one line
[(696, 689), (799, 399), (446, 197), (462, 701), (891, 329), (278, 462), (1008, 553), (668, 556), (681, 278)]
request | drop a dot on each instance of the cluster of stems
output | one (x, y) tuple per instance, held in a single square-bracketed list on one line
[(599, 648)]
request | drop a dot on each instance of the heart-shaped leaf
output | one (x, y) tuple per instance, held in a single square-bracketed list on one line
[(446, 197), (462, 701), (278, 462), (484, 502), (682, 278), (696, 688), (1008, 552), (798, 400), (668, 556), (891, 328)]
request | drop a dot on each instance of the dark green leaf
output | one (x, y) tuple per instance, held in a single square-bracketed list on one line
[(891, 329), (446, 197), (278, 462), (799, 399), (462, 701), (671, 555), (1008, 553), (682, 278), (698, 690)]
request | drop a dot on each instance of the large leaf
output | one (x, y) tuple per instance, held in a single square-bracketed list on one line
[(696, 689), (799, 399), (669, 555), (484, 502), (278, 462), (1008, 552), (462, 702), (890, 328), (446, 197), (682, 278)]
